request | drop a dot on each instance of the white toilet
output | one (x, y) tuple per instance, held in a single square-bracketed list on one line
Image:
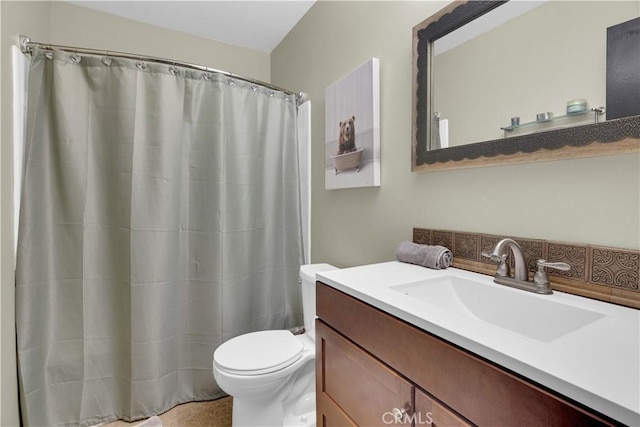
[(271, 374)]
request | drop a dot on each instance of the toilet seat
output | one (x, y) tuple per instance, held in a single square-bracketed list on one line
[(258, 353)]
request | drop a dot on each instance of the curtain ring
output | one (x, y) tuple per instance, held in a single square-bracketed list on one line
[(107, 60)]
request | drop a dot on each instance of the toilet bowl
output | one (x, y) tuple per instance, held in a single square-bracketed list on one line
[(271, 374)]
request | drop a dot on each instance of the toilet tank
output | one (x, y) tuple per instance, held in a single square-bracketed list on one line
[(308, 282)]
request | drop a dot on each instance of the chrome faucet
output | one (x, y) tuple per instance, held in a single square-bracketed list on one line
[(520, 280), (498, 254)]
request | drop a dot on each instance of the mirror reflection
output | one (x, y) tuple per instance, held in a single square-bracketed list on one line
[(522, 59)]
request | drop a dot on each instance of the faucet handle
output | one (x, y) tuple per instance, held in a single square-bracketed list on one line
[(541, 277), (557, 265), (501, 260), (493, 257)]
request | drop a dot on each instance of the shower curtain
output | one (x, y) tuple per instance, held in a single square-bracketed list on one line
[(160, 216)]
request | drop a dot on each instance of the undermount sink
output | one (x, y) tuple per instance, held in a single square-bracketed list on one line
[(534, 316)]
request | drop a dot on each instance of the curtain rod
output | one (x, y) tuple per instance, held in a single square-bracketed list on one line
[(26, 46)]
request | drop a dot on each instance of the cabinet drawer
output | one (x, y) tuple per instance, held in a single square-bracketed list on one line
[(357, 383)]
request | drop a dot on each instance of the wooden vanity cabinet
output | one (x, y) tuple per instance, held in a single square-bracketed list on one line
[(371, 365)]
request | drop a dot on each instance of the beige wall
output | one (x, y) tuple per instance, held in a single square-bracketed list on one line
[(78, 26), (595, 200), (62, 23)]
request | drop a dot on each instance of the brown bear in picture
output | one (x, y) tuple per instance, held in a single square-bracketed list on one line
[(347, 139)]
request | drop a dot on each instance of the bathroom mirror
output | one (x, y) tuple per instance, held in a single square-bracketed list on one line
[(484, 100)]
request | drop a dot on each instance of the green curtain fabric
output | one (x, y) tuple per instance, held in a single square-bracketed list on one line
[(160, 216)]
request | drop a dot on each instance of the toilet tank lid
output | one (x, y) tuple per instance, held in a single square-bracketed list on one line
[(308, 271)]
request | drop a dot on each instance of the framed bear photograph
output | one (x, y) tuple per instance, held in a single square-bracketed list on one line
[(352, 129)]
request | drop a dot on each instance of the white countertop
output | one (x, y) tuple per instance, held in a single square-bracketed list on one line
[(597, 365)]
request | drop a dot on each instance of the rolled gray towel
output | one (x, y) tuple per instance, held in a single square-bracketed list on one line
[(436, 257)]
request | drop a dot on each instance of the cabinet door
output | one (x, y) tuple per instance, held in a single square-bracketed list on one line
[(354, 388), (430, 412)]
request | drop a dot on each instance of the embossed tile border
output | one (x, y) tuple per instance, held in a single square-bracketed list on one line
[(607, 274), (614, 267), (575, 256)]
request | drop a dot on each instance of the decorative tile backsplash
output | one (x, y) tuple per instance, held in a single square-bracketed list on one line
[(466, 245), (607, 274), (575, 256), (614, 267)]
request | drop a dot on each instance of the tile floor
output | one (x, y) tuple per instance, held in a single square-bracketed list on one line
[(215, 413)]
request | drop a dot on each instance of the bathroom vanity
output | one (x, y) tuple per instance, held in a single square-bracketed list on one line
[(399, 344)]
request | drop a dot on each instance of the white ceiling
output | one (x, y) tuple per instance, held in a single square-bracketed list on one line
[(255, 24)]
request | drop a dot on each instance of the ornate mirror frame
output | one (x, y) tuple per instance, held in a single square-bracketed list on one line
[(606, 138)]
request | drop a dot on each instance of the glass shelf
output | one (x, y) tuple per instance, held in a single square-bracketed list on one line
[(596, 112)]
